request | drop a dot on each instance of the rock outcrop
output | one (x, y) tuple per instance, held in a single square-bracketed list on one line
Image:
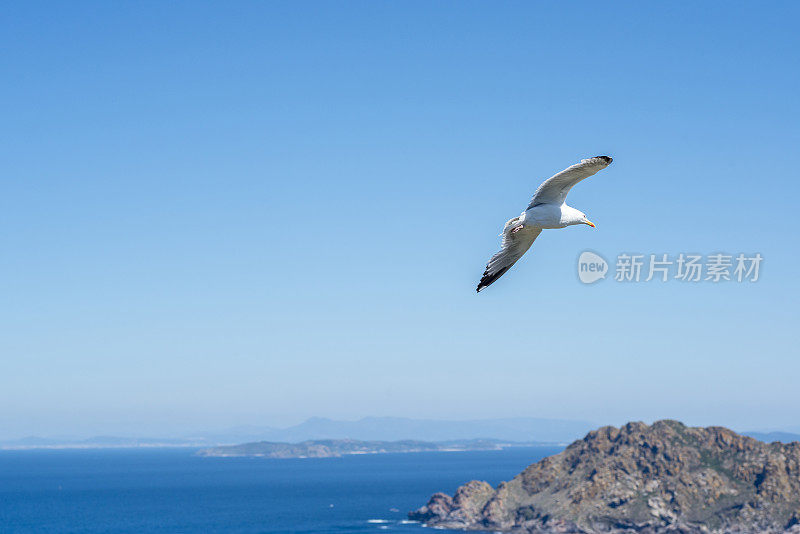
[(665, 477)]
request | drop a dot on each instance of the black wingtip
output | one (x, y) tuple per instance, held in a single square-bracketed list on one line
[(488, 279), (607, 159), (481, 284)]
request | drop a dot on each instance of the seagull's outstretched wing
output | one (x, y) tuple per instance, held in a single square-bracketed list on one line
[(516, 242), (554, 190)]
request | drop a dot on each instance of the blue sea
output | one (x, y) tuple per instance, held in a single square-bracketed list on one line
[(172, 490)]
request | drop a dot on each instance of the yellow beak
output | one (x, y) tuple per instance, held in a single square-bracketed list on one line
[(590, 223)]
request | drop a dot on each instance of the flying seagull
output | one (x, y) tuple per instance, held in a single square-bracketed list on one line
[(546, 210)]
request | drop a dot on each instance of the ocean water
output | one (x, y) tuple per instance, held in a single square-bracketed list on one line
[(172, 490)]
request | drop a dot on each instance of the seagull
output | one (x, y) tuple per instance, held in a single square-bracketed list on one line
[(548, 209)]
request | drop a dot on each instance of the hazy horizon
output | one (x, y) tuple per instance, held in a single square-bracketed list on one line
[(127, 431)]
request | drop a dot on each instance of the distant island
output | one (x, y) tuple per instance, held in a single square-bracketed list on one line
[(654, 479), (332, 448)]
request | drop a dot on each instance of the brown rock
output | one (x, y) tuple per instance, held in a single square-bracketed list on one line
[(654, 479)]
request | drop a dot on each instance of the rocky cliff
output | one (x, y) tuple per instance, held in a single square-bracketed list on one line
[(649, 479)]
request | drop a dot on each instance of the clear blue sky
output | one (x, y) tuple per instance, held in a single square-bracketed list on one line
[(225, 213)]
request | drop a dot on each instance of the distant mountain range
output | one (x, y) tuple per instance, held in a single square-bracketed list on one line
[(517, 429), (399, 428), (769, 437)]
